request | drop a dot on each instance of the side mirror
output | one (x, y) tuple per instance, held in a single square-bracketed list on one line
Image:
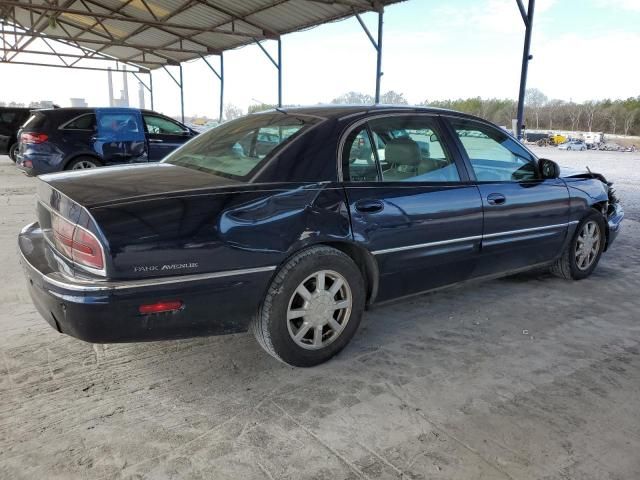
[(433, 138), (549, 168)]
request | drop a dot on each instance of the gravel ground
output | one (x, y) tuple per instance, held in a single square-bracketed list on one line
[(529, 377)]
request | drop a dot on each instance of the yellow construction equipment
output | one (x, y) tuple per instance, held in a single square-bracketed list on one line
[(557, 139)]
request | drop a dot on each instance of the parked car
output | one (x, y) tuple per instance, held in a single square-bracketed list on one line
[(77, 138), (11, 118), (294, 243), (573, 145), (535, 137)]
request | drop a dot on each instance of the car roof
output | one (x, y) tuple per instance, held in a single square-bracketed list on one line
[(15, 108), (341, 111)]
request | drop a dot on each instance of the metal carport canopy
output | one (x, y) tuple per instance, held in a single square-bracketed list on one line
[(151, 34)]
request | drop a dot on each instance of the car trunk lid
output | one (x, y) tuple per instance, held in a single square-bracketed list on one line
[(95, 187)]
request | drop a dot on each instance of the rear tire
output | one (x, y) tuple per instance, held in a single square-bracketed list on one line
[(82, 163), (583, 253), (312, 309), (13, 150)]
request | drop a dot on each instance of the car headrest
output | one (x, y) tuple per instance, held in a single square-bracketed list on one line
[(402, 151), (132, 126)]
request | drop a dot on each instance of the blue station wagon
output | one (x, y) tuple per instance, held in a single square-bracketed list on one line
[(291, 222), (77, 138)]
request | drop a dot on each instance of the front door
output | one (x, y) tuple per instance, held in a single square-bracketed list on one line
[(119, 136), (411, 204), (525, 217)]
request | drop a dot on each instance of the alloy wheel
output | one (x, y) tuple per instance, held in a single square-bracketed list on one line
[(81, 165), (319, 309), (587, 245)]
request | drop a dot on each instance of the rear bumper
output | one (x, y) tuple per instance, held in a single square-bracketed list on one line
[(107, 312), (615, 223), (34, 164)]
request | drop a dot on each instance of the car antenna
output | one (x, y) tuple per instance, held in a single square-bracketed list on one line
[(277, 109)]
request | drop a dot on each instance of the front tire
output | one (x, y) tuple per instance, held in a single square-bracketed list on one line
[(312, 309), (582, 255)]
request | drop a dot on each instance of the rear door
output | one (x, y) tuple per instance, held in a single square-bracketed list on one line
[(78, 134), (525, 217), (164, 134), (120, 136), (411, 203)]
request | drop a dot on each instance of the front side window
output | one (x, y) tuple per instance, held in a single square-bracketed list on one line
[(494, 155), (162, 126), (237, 149), (409, 149)]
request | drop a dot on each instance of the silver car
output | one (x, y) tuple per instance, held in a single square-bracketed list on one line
[(573, 145)]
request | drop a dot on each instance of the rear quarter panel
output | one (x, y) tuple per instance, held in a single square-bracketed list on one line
[(256, 226)]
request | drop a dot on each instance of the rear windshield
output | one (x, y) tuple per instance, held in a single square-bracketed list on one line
[(35, 121), (237, 149)]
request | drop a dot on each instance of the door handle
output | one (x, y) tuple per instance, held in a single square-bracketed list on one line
[(496, 199), (369, 206), (155, 140)]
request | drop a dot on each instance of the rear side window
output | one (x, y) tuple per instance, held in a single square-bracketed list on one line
[(83, 122), (407, 149), (358, 156), (35, 121), (118, 123)]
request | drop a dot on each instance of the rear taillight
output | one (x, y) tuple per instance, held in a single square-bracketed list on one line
[(76, 243), (29, 137)]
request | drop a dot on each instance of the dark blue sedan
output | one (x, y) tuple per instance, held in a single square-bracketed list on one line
[(77, 138), (294, 237)]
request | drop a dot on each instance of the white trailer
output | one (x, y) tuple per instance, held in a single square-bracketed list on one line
[(592, 138)]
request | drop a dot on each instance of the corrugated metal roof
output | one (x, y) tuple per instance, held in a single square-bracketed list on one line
[(153, 33)]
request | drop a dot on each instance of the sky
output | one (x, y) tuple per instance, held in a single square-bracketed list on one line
[(432, 50)]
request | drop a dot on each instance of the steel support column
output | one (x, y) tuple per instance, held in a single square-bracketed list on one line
[(527, 17), (221, 87), (148, 88), (181, 86), (277, 64), (220, 76), (377, 45), (279, 72), (151, 89), (181, 95)]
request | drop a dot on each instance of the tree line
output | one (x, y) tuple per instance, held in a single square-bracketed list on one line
[(541, 113)]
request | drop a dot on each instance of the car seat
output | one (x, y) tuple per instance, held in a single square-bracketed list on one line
[(404, 154)]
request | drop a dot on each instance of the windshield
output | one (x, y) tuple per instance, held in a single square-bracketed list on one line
[(237, 149)]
